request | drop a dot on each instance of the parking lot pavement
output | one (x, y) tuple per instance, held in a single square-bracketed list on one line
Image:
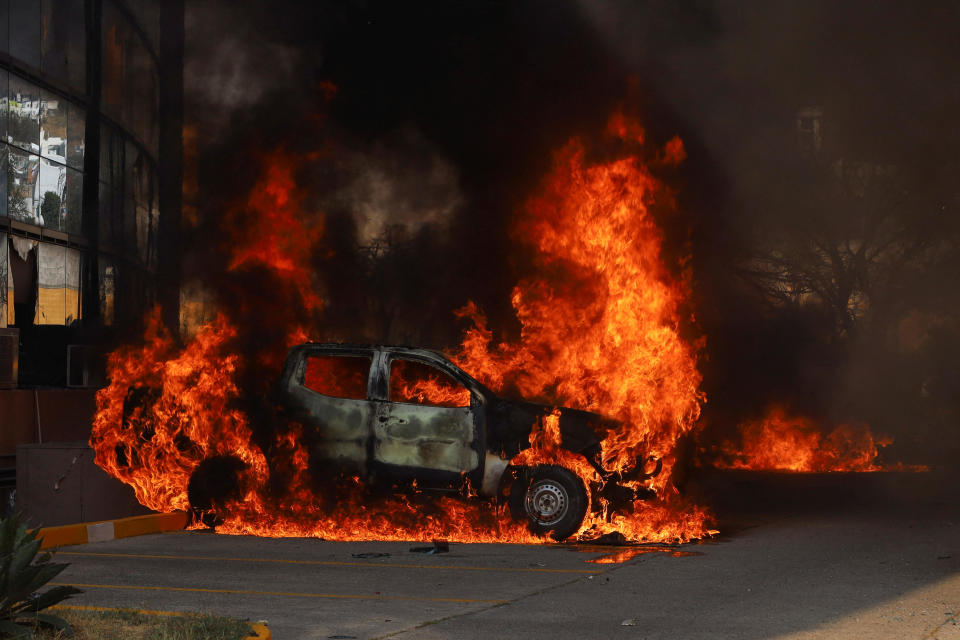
[(870, 561), (311, 588)]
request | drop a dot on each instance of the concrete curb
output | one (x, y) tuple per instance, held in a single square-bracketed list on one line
[(84, 532)]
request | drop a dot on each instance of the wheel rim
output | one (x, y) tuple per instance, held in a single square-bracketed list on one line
[(546, 502)]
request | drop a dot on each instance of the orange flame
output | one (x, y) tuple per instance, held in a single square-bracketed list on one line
[(600, 325), (783, 442)]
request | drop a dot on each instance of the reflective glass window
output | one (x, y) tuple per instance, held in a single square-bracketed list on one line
[(76, 128), (25, 31), (23, 172), (23, 125), (51, 191), (53, 126)]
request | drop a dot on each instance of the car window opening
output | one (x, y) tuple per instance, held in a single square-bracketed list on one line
[(418, 383), (338, 376)]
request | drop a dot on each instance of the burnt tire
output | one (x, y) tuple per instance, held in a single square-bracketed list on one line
[(215, 481), (551, 499)]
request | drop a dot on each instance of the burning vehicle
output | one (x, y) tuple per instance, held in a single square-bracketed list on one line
[(381, 443), (401, 418)]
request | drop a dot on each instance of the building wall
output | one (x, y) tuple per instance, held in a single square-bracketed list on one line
[(90, 171), (81, 87)]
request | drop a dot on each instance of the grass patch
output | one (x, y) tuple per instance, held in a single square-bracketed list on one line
[(126, 624)]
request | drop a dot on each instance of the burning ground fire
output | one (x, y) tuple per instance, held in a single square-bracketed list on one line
[(781, 441), (600, 318)]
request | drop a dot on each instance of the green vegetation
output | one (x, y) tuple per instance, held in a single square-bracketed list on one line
[(133, 625), (22, 574)]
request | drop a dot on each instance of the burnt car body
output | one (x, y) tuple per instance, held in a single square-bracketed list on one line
[(360, 417)]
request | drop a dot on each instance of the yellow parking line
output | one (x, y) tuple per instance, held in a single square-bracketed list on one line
[(326, 563), (288, 594)]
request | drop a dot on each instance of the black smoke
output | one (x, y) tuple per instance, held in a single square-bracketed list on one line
[(446, 115)]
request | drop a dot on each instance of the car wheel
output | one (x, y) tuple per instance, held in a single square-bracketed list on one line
[(551, 499), (214, 482)]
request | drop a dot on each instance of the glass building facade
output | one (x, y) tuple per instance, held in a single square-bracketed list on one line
[(85, 94)]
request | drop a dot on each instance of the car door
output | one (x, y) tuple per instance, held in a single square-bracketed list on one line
[(427, 424), (329, 390)]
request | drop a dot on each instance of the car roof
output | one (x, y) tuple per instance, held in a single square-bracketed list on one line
[(350, 346)]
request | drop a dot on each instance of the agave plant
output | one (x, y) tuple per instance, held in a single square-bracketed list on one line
[(22, 573)]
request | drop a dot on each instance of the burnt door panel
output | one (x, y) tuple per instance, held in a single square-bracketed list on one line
[(337, 428), (428, 424), (425, 437)]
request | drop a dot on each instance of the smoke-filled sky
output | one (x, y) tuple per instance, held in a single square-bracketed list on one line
[(446, 113)]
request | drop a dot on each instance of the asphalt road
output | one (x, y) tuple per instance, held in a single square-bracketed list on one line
[(868, 556)]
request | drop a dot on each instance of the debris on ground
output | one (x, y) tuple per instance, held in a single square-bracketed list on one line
[(438, 547)]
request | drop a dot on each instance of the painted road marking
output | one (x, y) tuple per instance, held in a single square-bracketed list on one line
[(288, 594), (325, 563)]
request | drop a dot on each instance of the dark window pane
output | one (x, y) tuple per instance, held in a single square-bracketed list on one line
[(154, 228), (4, 26), (22, 181), (25, 31), (147, 15), (50, 193), (73, 215), (53, 126), (111, 156), (107, 284), (105, 219), (143, 232), (418, 383), (24, 115), (76, 127), (54, 38), (112, 61), (338, 376), (4, 98), (4, 171), (132, 164), (77, 43)]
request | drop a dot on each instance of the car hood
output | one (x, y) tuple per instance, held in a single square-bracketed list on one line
[(511, 421)]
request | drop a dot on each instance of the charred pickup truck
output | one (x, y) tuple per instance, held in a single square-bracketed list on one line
[(395, 415)]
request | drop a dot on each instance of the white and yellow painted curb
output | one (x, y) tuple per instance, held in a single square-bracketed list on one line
[(84, 532)]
